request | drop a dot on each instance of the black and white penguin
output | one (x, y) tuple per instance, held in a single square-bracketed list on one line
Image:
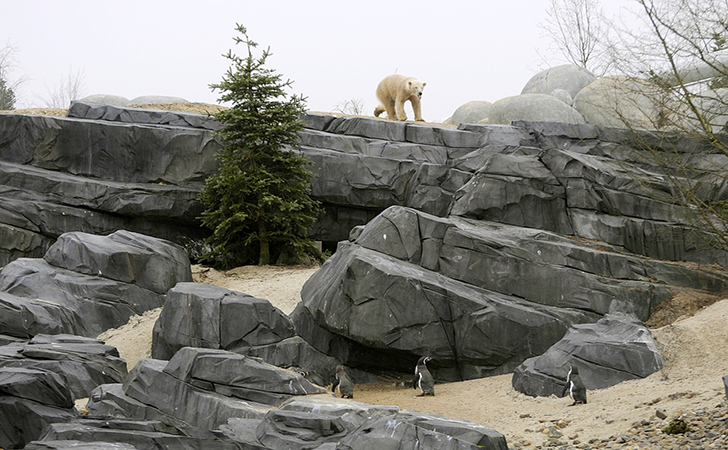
[(343, 385), (575, 387), (423, 378)]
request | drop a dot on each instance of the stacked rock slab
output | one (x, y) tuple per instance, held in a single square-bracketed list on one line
[(478, 297), (61, 174), (41, 378)]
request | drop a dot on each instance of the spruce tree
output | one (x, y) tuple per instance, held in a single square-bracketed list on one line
[(259, 204)]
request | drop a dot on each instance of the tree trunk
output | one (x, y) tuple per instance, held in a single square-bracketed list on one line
[(264, 258)]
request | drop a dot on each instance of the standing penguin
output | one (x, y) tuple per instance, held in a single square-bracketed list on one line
[(575, 387), (423, 378), (343, 384)]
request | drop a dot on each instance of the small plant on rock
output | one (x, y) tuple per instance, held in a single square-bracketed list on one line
[(676, 426)]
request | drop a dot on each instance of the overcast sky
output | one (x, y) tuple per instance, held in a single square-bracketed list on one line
[(333, 51)]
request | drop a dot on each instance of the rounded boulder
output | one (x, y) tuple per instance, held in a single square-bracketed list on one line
[(471, 112), (568, 77), (532, 108), (620, 102)]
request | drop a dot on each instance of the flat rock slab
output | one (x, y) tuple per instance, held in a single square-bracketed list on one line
[(616, 348)]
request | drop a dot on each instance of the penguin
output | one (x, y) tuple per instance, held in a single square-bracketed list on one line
[(343, 384), (575, 387), (423, 378)]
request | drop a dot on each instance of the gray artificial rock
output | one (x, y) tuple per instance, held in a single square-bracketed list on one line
[(38, 205), (82, 363), (195, 405), (104, 99), (203, 388), (223, 368), (514, 189), (23, 420), (406, 433), (615, 101), (150, 263), (201, 315), (470, 112), (40, 386), (71, 444), (616, 348), (455, 274), (568, 77), (532, 107), (283, 429), (24, 318), (137, 434), (406, 311), (133, 153), (156, 100), (102, 303)]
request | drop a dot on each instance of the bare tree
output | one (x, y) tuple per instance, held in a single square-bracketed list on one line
[(8, 88), (355, 106), (678, 54), (579, 31), (71, 87)]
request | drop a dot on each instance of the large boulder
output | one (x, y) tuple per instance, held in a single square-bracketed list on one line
[(105, 99), (532, 107), (472, 316), (616, 348), (201, 315), (156, 100), (470, 112), (102, 280), (621, 102), (567, 77)]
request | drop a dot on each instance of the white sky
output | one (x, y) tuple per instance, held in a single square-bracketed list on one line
[(333, 51)]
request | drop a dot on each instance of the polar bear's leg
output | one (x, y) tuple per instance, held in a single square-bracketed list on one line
[(378, 110), (417, 107), (399, 112), (391, 110)]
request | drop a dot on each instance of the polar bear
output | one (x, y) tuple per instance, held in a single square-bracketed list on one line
[(396, 89)]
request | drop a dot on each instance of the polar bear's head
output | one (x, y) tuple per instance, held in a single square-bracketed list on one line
[(416, 87)]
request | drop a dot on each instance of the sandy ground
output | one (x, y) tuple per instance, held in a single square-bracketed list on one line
[(695, 347)]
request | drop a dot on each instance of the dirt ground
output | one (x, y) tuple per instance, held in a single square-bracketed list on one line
[(695, 347)]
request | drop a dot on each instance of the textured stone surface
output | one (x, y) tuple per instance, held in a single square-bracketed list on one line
[(200, 315), (616, 348), (82, 363)]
